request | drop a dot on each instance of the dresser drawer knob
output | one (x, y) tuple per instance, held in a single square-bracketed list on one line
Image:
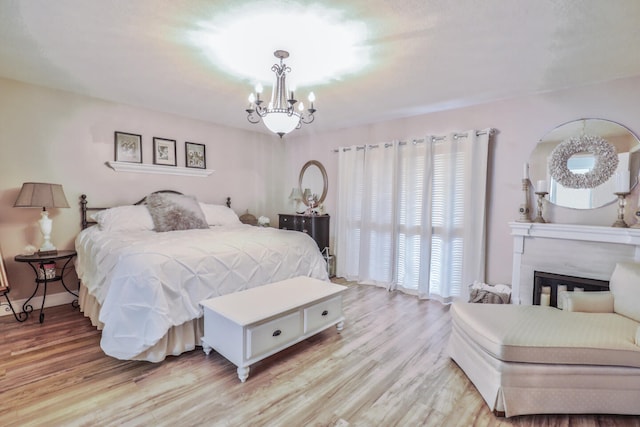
[(324, 313), (277, 332)]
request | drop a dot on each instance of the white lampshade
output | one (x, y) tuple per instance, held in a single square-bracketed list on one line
[(281, 122), (296, 194)]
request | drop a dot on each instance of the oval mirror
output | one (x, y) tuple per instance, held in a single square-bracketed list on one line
[(313, 176), (575, 159)]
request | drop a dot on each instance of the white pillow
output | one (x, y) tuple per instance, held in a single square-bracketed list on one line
[(124, 218), (219, 215), (588, 302), (624, 284)]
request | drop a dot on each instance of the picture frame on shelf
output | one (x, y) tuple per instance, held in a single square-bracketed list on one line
[(164, 151), (195, 155), (128, 147)]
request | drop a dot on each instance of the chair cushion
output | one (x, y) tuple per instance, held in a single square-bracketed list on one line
[(625, 287), (540, 334)]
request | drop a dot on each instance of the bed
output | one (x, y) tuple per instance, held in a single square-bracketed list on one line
[(142, 277)]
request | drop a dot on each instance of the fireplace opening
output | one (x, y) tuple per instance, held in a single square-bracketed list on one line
[(542, 279)]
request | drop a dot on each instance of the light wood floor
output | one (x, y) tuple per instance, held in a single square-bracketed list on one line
[(388, 368)]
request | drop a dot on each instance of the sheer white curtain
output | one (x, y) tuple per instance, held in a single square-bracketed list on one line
[(411, 215)]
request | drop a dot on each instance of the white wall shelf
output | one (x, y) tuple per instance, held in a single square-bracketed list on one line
[(160, 169)]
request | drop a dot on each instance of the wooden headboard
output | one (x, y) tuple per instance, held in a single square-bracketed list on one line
[(89, 222)]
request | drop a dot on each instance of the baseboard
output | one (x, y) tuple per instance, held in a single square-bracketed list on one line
[(52, 300)]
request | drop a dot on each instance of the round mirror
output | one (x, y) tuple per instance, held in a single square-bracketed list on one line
[(313, 177), (579, 161)]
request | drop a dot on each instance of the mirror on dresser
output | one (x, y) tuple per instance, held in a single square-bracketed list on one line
[(313, 183), (579, 161)]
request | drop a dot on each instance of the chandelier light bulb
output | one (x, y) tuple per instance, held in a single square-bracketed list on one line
[(259, 88), (312, 97), (301, 106), (252, 98)]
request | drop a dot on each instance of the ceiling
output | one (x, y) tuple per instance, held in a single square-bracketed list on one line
[(420, 55)]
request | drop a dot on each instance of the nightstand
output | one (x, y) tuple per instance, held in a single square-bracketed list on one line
[(316, 226), (46, 271)]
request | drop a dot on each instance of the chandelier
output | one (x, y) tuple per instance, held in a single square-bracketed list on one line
[(280, 115)]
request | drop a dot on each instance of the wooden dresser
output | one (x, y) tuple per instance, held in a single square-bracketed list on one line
[(316, 226)]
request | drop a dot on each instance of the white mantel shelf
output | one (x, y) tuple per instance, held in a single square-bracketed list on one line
[(613, 244), (589, 233), (166, 170)]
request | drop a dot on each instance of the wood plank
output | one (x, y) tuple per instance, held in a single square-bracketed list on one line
[(389, 367)]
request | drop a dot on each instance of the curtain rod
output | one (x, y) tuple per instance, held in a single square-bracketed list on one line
[(489, 131)]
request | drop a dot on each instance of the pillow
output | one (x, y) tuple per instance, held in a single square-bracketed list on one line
[(124, 218), (175, 212), (624, 287), (589, 302), (219, 215)]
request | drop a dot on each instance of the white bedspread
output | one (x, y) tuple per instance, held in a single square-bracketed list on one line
[(148, 282)]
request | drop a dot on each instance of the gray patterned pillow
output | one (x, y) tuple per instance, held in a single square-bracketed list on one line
[(175, 212)]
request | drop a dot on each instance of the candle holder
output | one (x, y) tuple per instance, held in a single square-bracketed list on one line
[(637, 214), (621, 203), (524, 207), (539, 217)]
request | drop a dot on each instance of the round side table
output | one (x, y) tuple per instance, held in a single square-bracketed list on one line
[(41, 266)]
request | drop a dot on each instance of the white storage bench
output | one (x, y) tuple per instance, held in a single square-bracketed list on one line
[(248, 326)]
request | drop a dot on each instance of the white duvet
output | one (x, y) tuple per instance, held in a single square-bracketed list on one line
[(148, 282)]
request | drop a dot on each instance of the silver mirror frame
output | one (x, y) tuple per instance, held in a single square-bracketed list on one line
[(324, 179)]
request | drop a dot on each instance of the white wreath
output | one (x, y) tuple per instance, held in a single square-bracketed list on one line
[(605, 164)]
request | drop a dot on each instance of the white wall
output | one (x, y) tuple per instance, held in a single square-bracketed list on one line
[(53, 136), (520, 124)]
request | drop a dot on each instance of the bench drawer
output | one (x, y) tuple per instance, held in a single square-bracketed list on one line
[(273, 334), (322, 314)]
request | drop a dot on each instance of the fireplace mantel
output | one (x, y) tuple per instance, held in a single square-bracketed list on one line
[(578, 250)]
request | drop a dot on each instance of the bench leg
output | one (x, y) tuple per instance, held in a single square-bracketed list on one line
[(206, 348), (243, 373)]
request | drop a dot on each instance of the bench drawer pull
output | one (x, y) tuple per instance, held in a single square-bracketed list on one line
[(277, 332), (324, 313)]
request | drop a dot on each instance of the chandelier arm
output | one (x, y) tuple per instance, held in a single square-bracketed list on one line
[(251, 118), (307, 119)]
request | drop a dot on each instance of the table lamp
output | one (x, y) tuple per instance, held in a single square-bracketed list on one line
[(42, 195), (295, 197)]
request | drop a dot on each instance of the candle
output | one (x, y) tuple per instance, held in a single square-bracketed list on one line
[(542, 186), (546, 290), (622, 182), (525, 171), (545, 299)]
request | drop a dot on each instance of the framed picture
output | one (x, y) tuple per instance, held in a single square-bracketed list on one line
[(195, 155), (164, 151), (128, 147)]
